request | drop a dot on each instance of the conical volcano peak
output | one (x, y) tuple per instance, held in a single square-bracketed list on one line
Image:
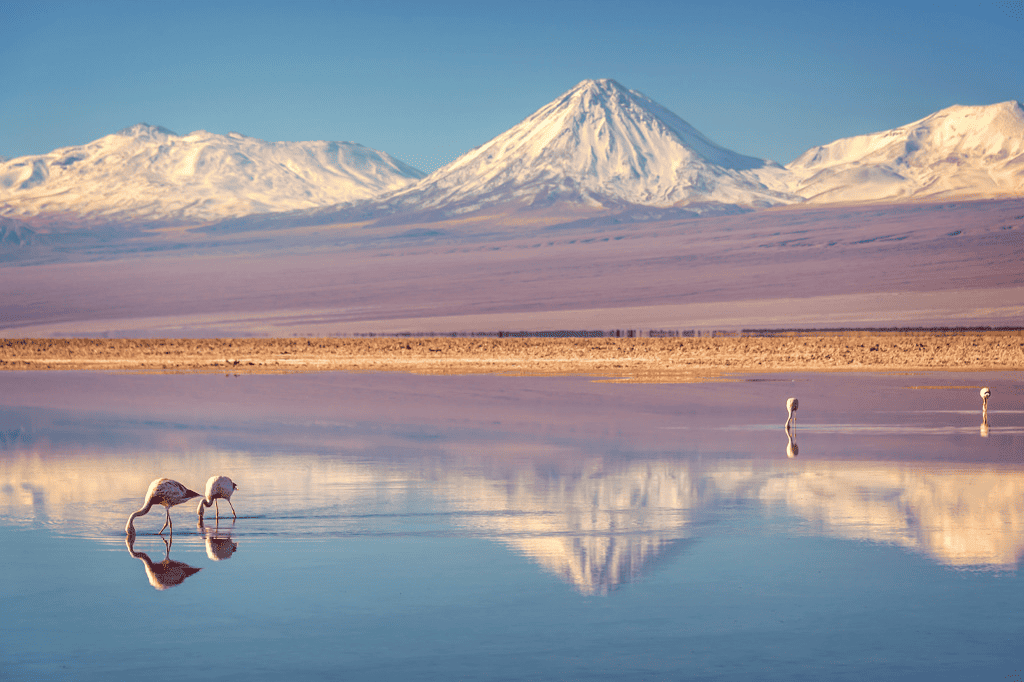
[(599, 83), (603, 92), (606, 94), (597, 142), (605, 100), (604, 86)]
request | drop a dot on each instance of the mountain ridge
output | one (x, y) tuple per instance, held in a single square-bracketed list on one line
[(598, 147), (958, 151), (150, 174)]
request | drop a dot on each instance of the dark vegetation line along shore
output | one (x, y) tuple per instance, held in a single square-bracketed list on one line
[(686, 333), (635, 358)]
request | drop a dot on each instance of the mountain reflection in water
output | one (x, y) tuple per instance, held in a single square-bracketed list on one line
[(596, 524), (600, 527), (595, 483)]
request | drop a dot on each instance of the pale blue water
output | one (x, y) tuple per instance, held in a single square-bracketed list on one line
[(396, 527)]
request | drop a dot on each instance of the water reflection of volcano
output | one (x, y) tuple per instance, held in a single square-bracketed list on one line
[(604, 524), (595, 564), (596, 527), (596, 523)]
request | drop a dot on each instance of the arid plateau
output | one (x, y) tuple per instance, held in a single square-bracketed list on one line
[(942, 264)]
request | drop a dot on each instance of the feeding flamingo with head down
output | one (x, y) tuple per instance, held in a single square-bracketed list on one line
[(792, 404), (161, 491), (217, 488)]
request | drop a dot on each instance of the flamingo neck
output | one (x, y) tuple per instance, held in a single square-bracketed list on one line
[(203, 502), (130, 526)]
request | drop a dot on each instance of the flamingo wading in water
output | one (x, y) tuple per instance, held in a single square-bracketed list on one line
[(792, 404), (161, 491), (217, 488), (985, 394)]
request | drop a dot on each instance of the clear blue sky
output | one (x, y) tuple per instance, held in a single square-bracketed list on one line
[(427, 81)]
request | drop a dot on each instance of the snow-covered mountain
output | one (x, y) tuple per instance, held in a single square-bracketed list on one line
[(959, 152), (149, 174), (599, 144)]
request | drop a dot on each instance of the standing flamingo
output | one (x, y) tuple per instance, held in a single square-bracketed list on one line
[(985, 393), (217, 488), (161, 491), (792, 404)]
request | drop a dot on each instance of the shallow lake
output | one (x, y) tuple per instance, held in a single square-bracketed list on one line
[(401, 527)]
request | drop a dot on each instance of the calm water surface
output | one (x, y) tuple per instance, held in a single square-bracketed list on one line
[(398, 527)]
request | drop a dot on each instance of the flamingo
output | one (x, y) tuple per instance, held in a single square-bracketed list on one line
[(792, 404), (985, 393), (161, 491), (217, 488)]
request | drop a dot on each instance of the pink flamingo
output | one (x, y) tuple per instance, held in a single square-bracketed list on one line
[(161, 491)]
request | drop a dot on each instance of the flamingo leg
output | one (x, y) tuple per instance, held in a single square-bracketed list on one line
[(232, 509), (216, 503), (166, 522)]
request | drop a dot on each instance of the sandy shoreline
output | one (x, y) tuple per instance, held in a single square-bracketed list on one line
[(629, 359)]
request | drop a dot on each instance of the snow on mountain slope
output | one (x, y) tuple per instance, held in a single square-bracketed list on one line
[(147, 173), (600, 146), (961, 151), (599, 143)]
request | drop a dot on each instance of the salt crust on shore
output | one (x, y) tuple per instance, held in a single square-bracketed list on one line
[(658, 360)]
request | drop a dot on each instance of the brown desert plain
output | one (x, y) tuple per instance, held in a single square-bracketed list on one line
[(278, 295), (658, 360)]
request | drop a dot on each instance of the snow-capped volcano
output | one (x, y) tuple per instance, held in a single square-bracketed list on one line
[(147, 173), (599, 143), (961, 151)]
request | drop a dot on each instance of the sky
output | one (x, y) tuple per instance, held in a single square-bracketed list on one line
[(427, 81)]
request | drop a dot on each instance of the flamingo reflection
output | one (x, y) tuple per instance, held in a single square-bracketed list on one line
[(219, 545), (166, 573), (792, 449)]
